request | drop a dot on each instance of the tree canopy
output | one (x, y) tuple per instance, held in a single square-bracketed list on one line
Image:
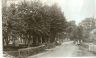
[(33, 22)]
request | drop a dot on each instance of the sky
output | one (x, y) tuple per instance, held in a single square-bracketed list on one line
[(76, 10)]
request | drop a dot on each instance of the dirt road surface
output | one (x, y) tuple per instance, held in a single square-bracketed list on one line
[(67, 49)]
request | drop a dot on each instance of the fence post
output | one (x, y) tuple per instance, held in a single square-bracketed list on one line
[(19, 53)]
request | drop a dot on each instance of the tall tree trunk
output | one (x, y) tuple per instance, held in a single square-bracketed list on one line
[(7, 41), (52, 37), (41, 40)]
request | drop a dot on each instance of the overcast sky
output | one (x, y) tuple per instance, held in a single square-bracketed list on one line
[(76, 10)]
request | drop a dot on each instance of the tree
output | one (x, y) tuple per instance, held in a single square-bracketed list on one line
[(70, 30), (34, 23), (88, 25), (7, 26), (58, 22), (80, 33)]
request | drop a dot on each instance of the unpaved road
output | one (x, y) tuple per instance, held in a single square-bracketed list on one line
[(67, 49)]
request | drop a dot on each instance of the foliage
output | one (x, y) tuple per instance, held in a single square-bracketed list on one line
[(71, 29), (88, 25), (34, 23)]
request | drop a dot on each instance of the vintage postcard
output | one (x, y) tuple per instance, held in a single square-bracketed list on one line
[(48, 28)]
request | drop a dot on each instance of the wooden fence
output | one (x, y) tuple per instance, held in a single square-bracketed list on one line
[(23, 53)]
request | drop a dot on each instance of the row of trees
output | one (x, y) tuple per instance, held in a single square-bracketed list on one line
[(88, 25), (34, 23), (75, 32), (84, 30), (37, 23)]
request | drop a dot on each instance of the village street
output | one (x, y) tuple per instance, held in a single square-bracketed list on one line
[(67, 49)]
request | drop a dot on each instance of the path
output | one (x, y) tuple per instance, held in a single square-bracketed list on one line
[(67, 49)]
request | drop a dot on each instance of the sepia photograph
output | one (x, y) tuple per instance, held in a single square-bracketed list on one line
[(48, 28)]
